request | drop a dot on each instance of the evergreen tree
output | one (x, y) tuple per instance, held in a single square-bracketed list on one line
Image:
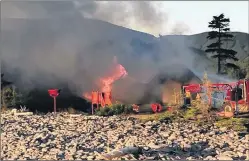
[(4, 82), (220, 27), (10, 97)]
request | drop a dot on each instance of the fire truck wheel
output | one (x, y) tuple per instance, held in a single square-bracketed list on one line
[(227, 107), (228, 110)]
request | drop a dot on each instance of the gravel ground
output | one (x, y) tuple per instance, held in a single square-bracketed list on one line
[(85, 137)]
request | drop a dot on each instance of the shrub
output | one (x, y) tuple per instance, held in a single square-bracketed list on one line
[(167, 115), (114, 109), (202, 104), (191, 113), (118, 109), (71, 110), (10, 97), (128, 109), (101, 112), (178, 98), (237, 124)]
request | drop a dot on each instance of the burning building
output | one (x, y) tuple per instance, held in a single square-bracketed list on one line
[(120, 86), (103, 95), (159, 89)]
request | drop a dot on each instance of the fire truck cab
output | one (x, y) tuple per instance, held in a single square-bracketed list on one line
[(238, 102)]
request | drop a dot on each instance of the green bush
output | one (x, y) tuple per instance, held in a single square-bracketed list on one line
[(71, 110), (118, 109), (11, 97), (101, 112), (191, 113), (237, 124), (128, 109), (114, 109)]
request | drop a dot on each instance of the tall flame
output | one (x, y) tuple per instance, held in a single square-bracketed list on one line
[(105, 83)]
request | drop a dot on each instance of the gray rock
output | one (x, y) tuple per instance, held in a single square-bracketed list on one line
[(90, 138), (172, 136), (223, 157), (90, 157), (146, 148), (196, 147), (165, 134), (223, 129), (43, 145), (209, 158)]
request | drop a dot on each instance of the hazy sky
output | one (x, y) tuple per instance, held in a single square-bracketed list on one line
[(197, 14), (155, 17)]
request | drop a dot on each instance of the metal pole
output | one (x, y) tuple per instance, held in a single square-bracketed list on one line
[(92, 101), (98, 101), (236, 100), (54, 105), (92, 108)]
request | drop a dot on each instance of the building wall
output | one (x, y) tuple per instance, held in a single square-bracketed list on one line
[(168, 87), (168, 91)]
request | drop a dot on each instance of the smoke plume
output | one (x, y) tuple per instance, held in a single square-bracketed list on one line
[(180, 28), (143, 16), (46, 43)]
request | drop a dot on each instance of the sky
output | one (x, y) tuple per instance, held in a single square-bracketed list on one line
[(154, 17), (197, 14)]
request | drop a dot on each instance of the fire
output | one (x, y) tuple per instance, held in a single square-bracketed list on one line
[(87, 96), (105, 83), (118, 73)]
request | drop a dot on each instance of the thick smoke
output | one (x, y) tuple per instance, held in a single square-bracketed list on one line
[(37, 9), (143, 16), (180, 28), (48, 43)]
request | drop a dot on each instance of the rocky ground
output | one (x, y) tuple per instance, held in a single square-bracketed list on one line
[(86, 137)]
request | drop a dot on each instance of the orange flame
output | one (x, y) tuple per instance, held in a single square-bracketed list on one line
[(87, 96), (105, 83)]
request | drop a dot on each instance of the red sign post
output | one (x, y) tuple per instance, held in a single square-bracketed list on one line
[(54, 93)]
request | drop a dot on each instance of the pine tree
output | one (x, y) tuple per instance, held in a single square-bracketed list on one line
[(4, 82), (9, 95), (220, 27)]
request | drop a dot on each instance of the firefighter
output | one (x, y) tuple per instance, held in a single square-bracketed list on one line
[(188, 95)]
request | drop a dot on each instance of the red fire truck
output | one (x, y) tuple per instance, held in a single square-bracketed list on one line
[(235, 98)]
